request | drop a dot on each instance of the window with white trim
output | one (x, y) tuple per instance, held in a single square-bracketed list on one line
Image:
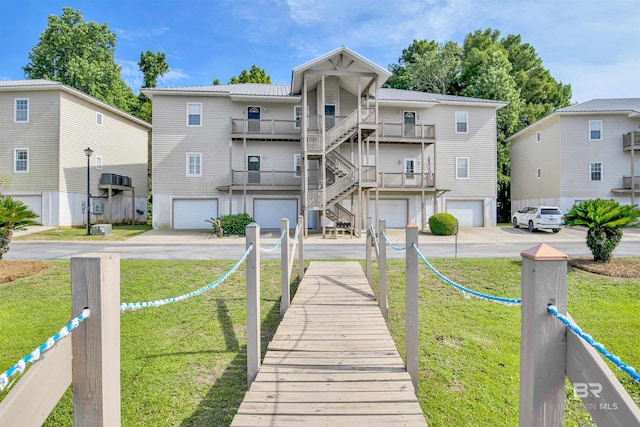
[(297, 165), (194, 114), (21, 160), (539, 173), (595, 171), (462, 168), (462, 122), (538, 136), (99, 119), (194, 164), (98, 162), (297, 116), (21, 113), (595, 130)]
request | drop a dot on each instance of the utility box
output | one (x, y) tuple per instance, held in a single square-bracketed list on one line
[(101, 229), (97, 206)]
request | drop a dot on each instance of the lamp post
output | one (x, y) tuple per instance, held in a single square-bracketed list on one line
[(88, 151)]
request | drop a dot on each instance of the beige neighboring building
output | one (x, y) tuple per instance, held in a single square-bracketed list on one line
[(333, 146), (45, 127), (585, 151)]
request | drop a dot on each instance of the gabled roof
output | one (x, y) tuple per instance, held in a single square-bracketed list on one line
[(388, 96), (36, 85), (628, 106), (340, 59), (232, 90)]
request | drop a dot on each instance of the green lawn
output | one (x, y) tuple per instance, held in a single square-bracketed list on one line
[(470, 348), (120, 232), (184, 364)]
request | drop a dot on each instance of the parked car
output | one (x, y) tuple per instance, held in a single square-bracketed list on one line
[(539, 218)]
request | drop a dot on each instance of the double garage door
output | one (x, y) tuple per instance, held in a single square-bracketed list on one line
[(193, 213)]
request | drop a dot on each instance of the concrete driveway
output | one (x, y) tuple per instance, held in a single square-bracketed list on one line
[(471, 242)]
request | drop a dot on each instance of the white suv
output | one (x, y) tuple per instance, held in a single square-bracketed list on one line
[(539, 218)]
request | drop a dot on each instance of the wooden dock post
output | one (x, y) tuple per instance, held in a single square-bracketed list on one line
[(543, 347), (253, 302), (368, 245), (95, 283), (382, 268), (301, 235), (411, 296), (284, 266)]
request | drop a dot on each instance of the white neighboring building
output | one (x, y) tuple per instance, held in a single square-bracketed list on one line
[(354, 150), (45, 127), (585, 151)]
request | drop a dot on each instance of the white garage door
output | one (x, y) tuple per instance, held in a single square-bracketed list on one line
[(34, 203), (467, 212), (193, 213), (268, 212), (394, 211)]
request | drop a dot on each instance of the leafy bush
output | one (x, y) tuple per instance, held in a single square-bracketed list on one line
[(605, 220), (14, 215), (235, 223), (442, 224)]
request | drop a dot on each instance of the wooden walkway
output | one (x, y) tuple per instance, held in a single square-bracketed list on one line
[(332, 361)]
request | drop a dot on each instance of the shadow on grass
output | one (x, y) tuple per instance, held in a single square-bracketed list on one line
[(222, 401)]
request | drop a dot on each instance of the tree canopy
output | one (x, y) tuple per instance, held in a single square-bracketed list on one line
[(254, 75), (82, 55), (486, 66)]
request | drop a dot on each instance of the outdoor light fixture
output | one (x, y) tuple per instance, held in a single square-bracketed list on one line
[(88, 151)]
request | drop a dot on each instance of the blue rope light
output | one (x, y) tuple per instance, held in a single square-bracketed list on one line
[(397, 248), (506, 301), (137, 305), (35, 354), (276, 246), (598, 346)]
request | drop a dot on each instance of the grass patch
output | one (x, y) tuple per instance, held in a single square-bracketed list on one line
[(120, 232), (181, 364), (470, 348), (184, 364)]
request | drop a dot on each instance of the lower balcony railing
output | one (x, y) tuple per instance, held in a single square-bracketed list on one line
[(266, 178), (406, 180)]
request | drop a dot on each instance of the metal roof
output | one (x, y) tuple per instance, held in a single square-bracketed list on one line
[(622, 105), (386, 94)]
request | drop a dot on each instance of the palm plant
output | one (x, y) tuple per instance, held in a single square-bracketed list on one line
[(14, 215), (605, 220)]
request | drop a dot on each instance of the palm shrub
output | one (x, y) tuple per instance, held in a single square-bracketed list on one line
[(605, 220), (14, 215), (235, 223), (442, 224)]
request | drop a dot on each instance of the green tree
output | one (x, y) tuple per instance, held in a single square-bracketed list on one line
[(152, 65), (14, 215), (82, 55), (605, 220), (398, 79), (254, 75), (434, 70)]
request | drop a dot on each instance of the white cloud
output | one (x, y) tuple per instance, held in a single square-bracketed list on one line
[(138, 33), (174, 76)]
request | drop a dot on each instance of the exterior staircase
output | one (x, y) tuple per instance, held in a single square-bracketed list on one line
[(345, 174)]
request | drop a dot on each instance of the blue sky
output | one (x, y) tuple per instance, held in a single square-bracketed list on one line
[(592, 44)]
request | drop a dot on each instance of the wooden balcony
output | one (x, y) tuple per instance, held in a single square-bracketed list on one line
[(265, 129), (626, 182), (406, 133), (404, 181), (264, 181), (631, 140)]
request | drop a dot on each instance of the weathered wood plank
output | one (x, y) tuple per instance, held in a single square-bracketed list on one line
[(332, 360)]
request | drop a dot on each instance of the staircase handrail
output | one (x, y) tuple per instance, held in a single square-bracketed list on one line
[(340, 162), (341, 185), (338, 131)]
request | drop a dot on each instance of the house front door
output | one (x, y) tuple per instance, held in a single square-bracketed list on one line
[(410, 172), (253, 166), (409, 123), (253, 119), (329, 116)]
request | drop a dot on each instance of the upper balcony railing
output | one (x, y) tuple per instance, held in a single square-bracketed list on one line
[(631, 139), (406, 180), (263, 127), (407, 130), (626, 182)]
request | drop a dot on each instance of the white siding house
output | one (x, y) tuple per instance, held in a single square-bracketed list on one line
[(333, 146), (45, 127), (585, 151)]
